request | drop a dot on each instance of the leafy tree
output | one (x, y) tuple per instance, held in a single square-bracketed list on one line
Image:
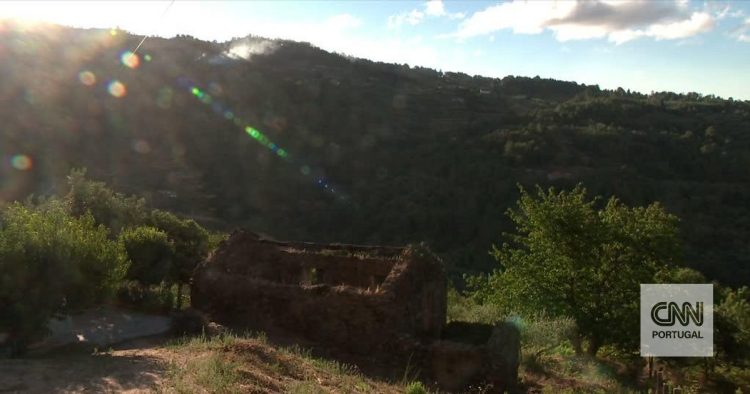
[(151, 255), (572, 259), (190, 241), (51, 262), (733, 324), (107, 207)]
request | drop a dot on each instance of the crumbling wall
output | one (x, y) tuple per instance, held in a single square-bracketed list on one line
[(363, 298), (476, 353), (368, 300)]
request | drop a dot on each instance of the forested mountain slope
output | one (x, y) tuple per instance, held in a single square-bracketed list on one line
[(410, 153)]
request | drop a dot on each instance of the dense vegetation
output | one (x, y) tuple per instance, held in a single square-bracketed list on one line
[(88, 247), (572, 269), (414, 154)]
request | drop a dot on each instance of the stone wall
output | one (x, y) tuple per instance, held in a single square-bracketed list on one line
[(375, 301), (359, 297)]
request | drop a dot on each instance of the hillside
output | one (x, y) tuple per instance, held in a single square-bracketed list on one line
[(410, 153), (225, 364)]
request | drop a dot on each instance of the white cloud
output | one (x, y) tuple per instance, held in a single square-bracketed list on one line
[(699, 22), (431, 8), (618, 21), (343, 21), (413, 17), (520, 16), (743, 32), (723, 10)]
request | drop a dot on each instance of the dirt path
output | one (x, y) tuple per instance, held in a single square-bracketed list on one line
[(136, 367)]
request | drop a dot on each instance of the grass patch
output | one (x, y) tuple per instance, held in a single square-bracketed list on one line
[(465, 309), (202, 342), (209, 373), (238, 363), (221, 341), (347, 377), (415, 388), (306, 387)]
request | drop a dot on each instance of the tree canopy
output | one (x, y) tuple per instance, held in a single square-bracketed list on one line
[(571, 257)]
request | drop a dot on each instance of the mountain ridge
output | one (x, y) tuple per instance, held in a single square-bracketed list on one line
[(411, 153)]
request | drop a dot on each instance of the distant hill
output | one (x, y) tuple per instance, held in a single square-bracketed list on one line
[(411, 154)]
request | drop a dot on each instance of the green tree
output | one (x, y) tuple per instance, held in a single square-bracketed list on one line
[(151, 255), (51, 262), (733, 324), (569, 258), (191, 244), (107, 207)]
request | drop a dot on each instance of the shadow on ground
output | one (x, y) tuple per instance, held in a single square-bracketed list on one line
[(130, 367)]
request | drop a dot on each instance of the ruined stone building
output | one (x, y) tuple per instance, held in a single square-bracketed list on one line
[(365, 299)]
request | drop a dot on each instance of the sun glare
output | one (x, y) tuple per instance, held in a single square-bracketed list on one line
[(135, 16)]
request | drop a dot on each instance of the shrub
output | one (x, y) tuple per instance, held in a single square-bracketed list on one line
[(541, 333), (467, 309), (154, 299), (51, 262), (151, 255)]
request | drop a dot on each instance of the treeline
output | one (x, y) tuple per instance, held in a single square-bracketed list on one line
[(416, 154)]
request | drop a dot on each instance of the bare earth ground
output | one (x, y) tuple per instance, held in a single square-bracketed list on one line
[(153, 365), (135, 368), (77, 358)]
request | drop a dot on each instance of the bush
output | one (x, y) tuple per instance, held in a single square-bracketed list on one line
[(151, 255), (541, 333), (467, 309), (153, 299), (51, 262)]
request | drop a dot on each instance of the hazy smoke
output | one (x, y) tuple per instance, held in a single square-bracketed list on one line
[(247, 48)]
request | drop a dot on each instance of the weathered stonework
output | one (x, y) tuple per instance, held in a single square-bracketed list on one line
[(365, 299), (360, 297)]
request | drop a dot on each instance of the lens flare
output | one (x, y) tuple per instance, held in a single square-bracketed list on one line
[(130, 59), (147, 57), (254, 133), (117, 89), (21, 162), (87, 78)]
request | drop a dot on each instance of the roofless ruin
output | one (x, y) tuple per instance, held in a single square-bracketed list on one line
[(364, 299)]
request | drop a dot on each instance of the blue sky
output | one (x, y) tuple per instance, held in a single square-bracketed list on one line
[(640, 45)]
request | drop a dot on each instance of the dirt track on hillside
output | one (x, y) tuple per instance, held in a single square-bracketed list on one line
[(136, 367)]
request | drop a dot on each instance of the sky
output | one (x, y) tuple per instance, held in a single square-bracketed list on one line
[(644, 45)]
